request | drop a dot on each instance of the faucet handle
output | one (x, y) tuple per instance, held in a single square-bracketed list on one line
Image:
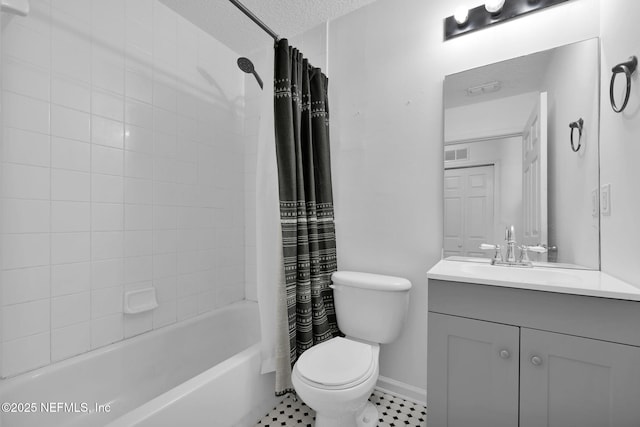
[(538, 249), (497, 256)]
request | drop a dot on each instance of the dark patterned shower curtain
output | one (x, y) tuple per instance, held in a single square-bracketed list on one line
[(306, 209)]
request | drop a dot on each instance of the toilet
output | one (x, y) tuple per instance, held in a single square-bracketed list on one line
[(336, 377)]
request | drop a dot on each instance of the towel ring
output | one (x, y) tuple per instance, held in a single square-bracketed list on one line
[(576, 125), (628, 68)]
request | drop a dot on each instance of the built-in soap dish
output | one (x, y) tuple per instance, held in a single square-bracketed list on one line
[(140, 300)]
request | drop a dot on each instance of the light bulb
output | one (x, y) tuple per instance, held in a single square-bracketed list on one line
[(461, 15), (494, 6)]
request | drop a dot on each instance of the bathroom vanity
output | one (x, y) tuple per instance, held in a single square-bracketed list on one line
[(531, 347)]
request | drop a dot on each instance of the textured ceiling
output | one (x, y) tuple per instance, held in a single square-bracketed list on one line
[(287, 18)]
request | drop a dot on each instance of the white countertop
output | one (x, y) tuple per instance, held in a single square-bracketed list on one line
[(548, 279)]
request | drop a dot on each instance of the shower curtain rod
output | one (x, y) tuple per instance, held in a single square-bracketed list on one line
[(255, 19)]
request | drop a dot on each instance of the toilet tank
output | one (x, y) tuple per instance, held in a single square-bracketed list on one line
[(371, 307)]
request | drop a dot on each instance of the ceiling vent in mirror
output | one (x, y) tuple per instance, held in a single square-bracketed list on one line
[(484, 88), (456, 154)]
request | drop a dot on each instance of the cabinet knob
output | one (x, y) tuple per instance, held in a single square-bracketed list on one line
[(504, 354), (536, 360)]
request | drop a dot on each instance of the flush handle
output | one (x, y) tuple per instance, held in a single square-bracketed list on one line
[(504, 354)]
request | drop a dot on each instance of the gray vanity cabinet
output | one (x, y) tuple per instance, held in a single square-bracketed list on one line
[(514, 357), (478, 374), (573, 381)]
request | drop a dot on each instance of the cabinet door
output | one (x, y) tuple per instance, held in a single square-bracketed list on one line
[(472, 373), (566, 381)]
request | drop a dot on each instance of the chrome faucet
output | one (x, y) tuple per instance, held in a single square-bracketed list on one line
[(510, 259), (509, 237)]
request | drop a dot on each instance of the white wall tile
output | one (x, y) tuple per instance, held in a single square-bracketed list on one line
[(187, 307), (25, 354), (70, 154), (139, 113), (106, 301), (70, 341), (71, 93), (21, 320), (69, 123), (165, 314), (70, 309), (25, 113), (106, 160), (25, 284), (138, 191), (70, 278), (107, 132), (138, 217), (136, 324), (25, 216), (102, 129), (138, 243), (106, 330), (106, 104), (24, 250), (26, 79), (165, 266), (25, 182), (27, 45), (107, 188), (70, 185), (138, 86), (106, 245), (106, 273), (107, 217), (107, 68), (138, 139), (138, 269), (70, 247), (70, 216), (138, 165), (70, 54), (29, 148)]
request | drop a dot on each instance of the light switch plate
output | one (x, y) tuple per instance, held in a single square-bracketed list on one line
[(605, 199)]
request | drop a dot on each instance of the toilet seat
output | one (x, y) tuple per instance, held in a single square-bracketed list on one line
[(337, 364)]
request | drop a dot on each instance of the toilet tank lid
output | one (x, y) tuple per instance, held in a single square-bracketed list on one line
[(370, 281)]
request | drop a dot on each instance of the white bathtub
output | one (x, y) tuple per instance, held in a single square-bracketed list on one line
[(205, 371)]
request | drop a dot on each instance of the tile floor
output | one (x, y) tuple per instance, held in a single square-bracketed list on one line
[(392, 410)]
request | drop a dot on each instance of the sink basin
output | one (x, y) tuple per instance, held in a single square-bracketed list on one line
[(542, 276)]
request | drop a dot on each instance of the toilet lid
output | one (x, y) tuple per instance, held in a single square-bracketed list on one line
[(336, 362)]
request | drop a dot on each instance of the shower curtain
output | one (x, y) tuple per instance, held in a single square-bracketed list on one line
[(306, 314)]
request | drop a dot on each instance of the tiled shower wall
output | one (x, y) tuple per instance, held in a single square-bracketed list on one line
[(122, 168)]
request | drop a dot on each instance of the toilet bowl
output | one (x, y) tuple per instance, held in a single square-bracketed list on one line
[(336, 379)]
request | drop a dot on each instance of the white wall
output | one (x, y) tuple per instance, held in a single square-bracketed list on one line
[(387, 63), (620, 143), (572, 94), (122, 168)]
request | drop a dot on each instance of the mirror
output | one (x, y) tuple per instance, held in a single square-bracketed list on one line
[(509, 158)]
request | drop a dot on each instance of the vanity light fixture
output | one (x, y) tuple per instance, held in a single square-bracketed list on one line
[(491, 12), (461, 16), (494, 7)]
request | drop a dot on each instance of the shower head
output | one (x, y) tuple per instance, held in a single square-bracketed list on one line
[(246, 65)]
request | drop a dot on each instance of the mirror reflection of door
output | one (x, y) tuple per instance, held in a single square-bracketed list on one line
[(468, 210), (534, 177)]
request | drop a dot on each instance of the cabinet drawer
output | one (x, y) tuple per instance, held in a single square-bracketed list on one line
[(598, 318)]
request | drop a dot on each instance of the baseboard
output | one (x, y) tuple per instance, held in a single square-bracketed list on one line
[(402, 390)]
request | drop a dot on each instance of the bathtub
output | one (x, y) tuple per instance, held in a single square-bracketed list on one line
[(204, 371)]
